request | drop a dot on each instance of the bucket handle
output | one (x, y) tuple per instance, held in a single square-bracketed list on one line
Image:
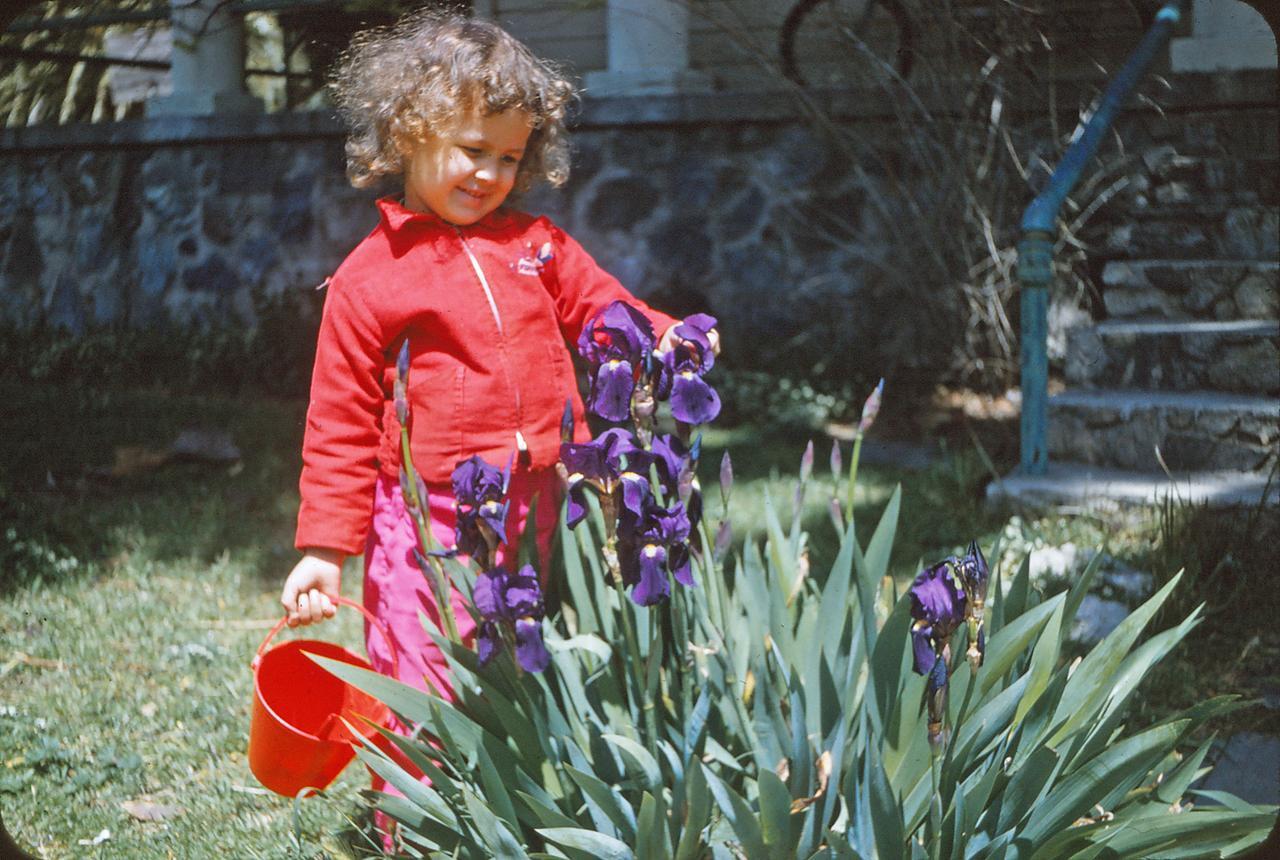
[(342, 601)]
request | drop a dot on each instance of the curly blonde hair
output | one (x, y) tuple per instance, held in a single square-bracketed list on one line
[(398, 85)]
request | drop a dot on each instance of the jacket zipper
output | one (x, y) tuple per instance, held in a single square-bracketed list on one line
[(521, 445)]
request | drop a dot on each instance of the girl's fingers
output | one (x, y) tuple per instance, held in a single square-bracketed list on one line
[(290, 604), (325, 606), (304, 608)]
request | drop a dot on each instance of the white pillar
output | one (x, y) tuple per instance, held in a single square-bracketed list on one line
[(207, 63), (648, 49), (1226, 35)]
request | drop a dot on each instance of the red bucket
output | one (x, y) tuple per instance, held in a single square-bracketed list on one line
[(297, 738)]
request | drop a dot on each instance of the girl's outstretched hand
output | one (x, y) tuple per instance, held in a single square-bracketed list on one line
[(670, 339), (313, 587)]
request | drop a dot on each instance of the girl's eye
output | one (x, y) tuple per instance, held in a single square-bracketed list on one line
[(471, 151), (510, 159)]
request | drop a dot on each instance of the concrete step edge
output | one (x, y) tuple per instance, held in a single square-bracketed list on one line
[(1195, 401), (1098, 486), (1196, 263), (1165, 327)]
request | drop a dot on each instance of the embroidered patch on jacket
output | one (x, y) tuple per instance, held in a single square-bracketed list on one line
[(531, 263)]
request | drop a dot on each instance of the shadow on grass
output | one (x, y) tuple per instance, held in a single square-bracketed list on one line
[(62, 520)]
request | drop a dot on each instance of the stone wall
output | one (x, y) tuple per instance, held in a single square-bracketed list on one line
[(727, 204)]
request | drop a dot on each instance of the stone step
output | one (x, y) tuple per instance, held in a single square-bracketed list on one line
[(1196, 230), (1085, 485), (1192, 289), (1177, 178), (1193, 430), (1241, 356)]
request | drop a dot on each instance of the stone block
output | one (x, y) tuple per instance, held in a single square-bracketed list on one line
[(1086, 357), (1193, 431), (742, 217), (1191, 289), (1247, 367), (1257, 296), (622, 202), (1251, 233), (211, 276), (1174, 192)]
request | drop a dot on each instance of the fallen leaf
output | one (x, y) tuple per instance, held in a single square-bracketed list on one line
[(145, 810), (99, 839)]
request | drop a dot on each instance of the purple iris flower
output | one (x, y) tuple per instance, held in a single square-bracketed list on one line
[(596, 465), (693, 401), (938, 607), (677, 472), (658, 546), (511, 600), (479, 490), (617, 343)]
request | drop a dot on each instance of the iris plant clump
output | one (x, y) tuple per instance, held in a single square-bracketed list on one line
[(780, 709), (646, 484)]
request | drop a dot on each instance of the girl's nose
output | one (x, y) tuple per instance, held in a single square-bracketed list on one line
[(485, 172)]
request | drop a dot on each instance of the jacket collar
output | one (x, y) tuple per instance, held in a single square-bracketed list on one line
[(395, 215)]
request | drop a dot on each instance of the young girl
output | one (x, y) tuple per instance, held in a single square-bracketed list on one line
[(485, 296)]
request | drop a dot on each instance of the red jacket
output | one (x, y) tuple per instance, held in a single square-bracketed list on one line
[(487, 310)]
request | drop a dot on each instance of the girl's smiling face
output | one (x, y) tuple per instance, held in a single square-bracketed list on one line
[(467, 171)]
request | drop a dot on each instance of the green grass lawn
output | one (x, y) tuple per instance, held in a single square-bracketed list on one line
[(131, 607)]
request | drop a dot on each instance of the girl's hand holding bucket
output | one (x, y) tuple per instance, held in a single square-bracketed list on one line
[(311, 591), (303, 717)]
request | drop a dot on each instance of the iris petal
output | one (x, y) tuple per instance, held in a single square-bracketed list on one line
[(576, 511), (523, 597), (486, 594), (635, 492), (681, 568), (937, 597), (495, 516), (586, 459), (611, 392), (531, 651), (692, 400), (922, 648), (653, 586), (476, 482), (487, 642)]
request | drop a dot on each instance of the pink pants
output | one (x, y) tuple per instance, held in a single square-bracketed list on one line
[(395, 588)]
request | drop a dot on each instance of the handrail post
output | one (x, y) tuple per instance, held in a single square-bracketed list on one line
[(1039, 229), (1035, 272)]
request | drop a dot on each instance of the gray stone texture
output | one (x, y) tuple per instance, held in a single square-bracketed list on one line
[(723, 218), (1192, 289), (1239, 356), (1193, 431), (727, 204)]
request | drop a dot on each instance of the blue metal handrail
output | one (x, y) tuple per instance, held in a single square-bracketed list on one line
[(1039, 229)]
